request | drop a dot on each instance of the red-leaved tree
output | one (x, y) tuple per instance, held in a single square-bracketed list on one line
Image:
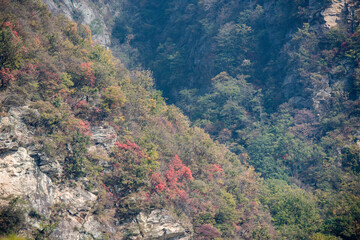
[(173, 181), (6, 77), (87, 74)]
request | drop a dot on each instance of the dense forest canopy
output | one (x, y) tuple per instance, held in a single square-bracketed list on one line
[(277, 89), (272, 83)]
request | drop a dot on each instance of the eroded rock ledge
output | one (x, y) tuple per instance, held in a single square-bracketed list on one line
[(159, 224)]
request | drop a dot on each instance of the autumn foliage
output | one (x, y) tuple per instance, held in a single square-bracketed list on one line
[(87, 73), (214, 171), (14, 33), (173, 181), (207, 232), (6, 77), (113, 134), (129, 147)]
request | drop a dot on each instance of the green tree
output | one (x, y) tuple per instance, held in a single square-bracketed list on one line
[(10, 45), (294, 211), (74, 162)]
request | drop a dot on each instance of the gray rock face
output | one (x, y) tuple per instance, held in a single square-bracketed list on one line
[(68, 228), (25, 173), (87, 12), (104, 136), (323, 18), (13, 131), (19, 176), (159, 224), (49, 166), (19, 173), (7, 135)]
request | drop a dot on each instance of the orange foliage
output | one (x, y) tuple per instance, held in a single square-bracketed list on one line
[(74, 124), (88, 73), (173, 181), (214, 171)]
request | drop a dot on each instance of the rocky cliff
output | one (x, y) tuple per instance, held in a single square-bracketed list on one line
[(98, 15), (27, 173)]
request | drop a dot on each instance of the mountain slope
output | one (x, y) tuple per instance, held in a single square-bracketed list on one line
[(285, 100), (277, 82), (92, 151)]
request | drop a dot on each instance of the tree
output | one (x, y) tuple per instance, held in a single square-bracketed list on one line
[(294, 211), (206, 232), (174, 181), (11, 217), (10, 45), (74, 163)]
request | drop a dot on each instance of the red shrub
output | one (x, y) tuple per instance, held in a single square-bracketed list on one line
[(173, 181), (130, 147), (87, 73), (16, 38), (207, 232), (6, 77), (214, 171), (157, 182), (84, 127)]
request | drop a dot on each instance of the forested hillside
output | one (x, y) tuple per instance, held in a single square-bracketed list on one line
[(278, 83), (91, 150)]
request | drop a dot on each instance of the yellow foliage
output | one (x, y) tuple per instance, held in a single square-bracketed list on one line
[(113, 98), (320, 236), (85, 33), (12, 237), (229, 198)]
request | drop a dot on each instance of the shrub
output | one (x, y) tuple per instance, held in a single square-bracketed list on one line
[(12, 237), (6, 76), (74, 163), (10, 44), (113, 99), (173, 182), (206, 232), (11, 217)]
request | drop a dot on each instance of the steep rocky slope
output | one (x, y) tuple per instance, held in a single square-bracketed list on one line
[(96, 14), (25, 172)]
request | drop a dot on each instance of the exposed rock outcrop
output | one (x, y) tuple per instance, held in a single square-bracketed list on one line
[(28, 173), (13, 131), (19, 176), (159, 224), (87, 12), (104, 136), (333, 14)]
